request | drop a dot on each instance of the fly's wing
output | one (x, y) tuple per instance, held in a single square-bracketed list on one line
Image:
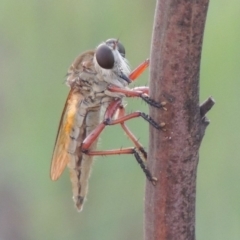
[(61, 156), (70, 120), (79, 118)]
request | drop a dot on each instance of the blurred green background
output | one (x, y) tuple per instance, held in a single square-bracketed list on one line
[(38, 41)]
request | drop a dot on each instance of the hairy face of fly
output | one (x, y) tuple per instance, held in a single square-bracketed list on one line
[(111, 64)]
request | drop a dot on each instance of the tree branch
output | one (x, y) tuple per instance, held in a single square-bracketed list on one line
[(173, 154)]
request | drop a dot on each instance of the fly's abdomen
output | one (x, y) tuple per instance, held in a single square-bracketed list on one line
[(80, 163)]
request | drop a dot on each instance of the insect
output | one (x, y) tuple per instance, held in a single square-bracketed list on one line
[(97, 79)]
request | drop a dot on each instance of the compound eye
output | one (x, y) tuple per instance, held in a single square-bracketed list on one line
[(121, 48), (104, 56)]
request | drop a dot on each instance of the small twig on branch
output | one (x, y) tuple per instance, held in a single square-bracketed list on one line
[(206, 106)]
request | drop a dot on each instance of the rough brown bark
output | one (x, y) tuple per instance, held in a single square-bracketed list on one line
[(173, 154)]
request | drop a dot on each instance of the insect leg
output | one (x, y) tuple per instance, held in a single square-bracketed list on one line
[(143, 89), (111, 110), (130, 150), (138, 152), (139, 70), (138, 93), (130, 134), (134, 115)]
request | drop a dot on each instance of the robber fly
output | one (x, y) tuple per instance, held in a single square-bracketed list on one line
[(97, 78)]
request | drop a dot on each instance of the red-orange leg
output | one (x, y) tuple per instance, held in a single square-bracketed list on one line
[(138, 151), (143, 89), (137, 93), (111, 110), (139, 70), (108, 120), (130, 135), (130, 150)]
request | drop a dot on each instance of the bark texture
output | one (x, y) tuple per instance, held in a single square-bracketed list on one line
[(173, 153)]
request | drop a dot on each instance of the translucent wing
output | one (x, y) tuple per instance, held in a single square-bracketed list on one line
[(61, 157)]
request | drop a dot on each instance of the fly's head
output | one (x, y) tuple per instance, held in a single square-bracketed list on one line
[(111, 64)]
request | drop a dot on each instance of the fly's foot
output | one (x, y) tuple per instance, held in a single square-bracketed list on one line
[(153, 180), (164, 104), (152, 102), (162, 125), (148, 174), (152, 122)]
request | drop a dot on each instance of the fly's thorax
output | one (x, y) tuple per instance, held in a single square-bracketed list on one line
[(82, 76), (83, 64)]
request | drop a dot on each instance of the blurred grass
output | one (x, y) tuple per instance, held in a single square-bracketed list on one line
[(38, 41)]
